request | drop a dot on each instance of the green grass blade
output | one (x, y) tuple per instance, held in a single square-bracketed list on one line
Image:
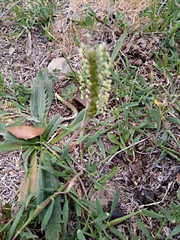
[(171, 152), (143, 229), (26, 156), (92, 139), (15, 223), (101, 147), (121, 219), (173, 119), (101, 218), (152, 214), (117, 233), (103, 180), (76, 123), (115, 201), (65, 214), (118, 45), (174, 232), (80, 235)]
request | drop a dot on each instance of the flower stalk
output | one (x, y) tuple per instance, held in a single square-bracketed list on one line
[(94, 79)]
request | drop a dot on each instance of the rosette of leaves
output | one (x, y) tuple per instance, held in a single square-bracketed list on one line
[(40, 188)]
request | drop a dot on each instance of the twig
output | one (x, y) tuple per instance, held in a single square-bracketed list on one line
[(157, 203), (124, 149)]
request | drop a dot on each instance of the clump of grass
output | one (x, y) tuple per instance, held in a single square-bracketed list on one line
[(164, 19)]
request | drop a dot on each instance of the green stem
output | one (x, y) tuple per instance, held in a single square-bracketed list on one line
[(119, 220)]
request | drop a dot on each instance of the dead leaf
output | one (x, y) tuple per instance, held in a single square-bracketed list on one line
[(24, 189), (32, 174), (25, 132), (72, 146)]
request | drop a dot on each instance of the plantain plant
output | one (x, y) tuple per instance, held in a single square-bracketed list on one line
[(40, 180), (48, 185)]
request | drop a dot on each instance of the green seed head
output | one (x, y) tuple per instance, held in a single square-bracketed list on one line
[(94, 77)]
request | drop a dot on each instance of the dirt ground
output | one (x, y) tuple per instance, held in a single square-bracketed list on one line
[(140, 178)]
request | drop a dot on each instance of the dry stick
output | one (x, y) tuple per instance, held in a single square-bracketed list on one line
[(7, 11), (157, 203), (124, 149)]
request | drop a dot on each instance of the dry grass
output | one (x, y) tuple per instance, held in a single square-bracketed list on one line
[(65, 31), (130, 7)]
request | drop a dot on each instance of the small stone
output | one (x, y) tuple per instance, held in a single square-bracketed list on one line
[(11, 50), (59, 64)]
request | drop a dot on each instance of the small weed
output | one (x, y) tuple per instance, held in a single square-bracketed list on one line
[(121, 21), (165, 19), (120, 142), (168, 61), (17, 92), (36, 13), (162, 15), (69, 91)]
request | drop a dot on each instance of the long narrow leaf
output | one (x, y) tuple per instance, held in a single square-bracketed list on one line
[(92, 139), (41, 97), (122, 219), (101, 217), (152, 214), (115, 201), (117, 233), (174, 232), (26, 156), (76, 123), (118, 45), (52, 127), (47, 215), (53, 227), (7, 147), (65, 214), (80, 235), (15, 223), (143, 229)]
